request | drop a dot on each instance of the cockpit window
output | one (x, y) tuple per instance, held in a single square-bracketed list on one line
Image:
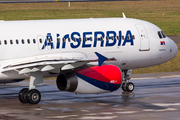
[(164, 36), (159, 33)]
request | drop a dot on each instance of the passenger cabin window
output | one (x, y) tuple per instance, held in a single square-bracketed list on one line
[(117, 37), (80, 39), (74, 39), (128, 37), (17, 42), (122, 37), (85, 38), (11, 41), (49, 39), (63, 39), (107, 38), (101, 38), (40, 40), (112, 37), (34, 41), (58, 40), (22, 41), (5, 42), (159, 34), (133, 37), (28, 41), (69, 40)]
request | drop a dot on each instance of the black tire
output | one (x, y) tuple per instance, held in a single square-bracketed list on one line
[(124, 87), (130, 87), (22, 95), (33, 96)]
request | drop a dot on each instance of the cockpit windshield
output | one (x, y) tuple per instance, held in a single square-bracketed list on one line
[(161, 34), (164, 36)]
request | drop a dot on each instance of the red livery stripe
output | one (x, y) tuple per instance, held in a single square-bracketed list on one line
[(104, 73)]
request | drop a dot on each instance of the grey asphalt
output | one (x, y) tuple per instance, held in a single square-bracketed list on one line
[(156, 96), (176, 39)]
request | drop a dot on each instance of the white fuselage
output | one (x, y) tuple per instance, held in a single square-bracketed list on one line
[(133, 43)]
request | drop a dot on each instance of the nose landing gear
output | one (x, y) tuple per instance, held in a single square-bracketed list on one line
[(127, 86)]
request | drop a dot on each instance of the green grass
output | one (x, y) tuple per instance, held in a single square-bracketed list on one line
[(163, 13)]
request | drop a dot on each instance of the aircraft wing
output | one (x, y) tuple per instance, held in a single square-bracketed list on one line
[(53, 64)]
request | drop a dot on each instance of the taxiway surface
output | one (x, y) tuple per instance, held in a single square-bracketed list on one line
[(156, 96)]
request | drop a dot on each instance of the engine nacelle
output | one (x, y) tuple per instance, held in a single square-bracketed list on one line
[(106, 78)]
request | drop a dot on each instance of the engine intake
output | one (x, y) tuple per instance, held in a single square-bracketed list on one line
[(106, 78), (67, 82)]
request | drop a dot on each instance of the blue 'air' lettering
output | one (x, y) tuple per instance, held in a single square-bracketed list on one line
[(48, 41), (64, 40), (105, 39), (58, 41)]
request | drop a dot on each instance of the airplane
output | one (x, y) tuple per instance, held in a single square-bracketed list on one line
[(89, 56)]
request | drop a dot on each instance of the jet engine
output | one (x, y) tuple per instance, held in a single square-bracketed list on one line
[(91, 80)]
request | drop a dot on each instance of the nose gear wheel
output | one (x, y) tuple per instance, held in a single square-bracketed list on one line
[(127, 86)]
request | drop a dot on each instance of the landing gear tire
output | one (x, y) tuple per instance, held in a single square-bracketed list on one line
[(22, 95), (33, 96), (127, 86), (130, 87), (124, 86)]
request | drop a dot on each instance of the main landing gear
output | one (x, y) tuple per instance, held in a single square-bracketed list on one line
[(127, 86), (31, 95)]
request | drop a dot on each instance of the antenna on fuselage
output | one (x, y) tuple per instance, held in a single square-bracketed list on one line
[(124, 16)]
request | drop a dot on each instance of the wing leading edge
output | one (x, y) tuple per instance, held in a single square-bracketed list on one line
[(54, 64)]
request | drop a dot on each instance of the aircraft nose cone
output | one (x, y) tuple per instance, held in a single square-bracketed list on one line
[(173, 48)]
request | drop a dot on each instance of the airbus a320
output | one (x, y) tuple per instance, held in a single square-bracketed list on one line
[(86, 55)]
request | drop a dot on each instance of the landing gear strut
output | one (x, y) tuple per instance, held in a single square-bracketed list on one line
[(127, 86), (32, 95)]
